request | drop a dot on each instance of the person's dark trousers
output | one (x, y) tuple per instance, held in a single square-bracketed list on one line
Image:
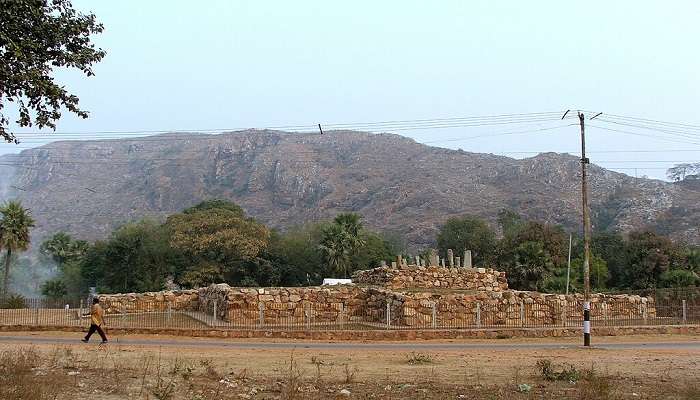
[(99, 330)]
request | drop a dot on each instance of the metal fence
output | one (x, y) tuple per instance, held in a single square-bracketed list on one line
[(679, 307)]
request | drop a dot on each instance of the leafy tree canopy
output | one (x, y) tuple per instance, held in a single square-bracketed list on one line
[(217, 204), (678, 278), (217, 232), (37, 37), (468, 233), (648, 255), (61, 248), (137, 257), (531, 252)]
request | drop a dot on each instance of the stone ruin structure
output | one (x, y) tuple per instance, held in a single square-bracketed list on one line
[(433, 277), (400, 296)]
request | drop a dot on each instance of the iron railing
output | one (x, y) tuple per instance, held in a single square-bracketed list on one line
[(662, 308)]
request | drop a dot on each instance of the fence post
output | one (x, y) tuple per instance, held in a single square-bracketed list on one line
[(685, 312), (644, 312), (388, 314), (309, 315), (170, 312), (562, 314), (342, 316), (216, 303), (604, 309), (36, 312), (80, 313), (478, 315), (261, 313), (522, 313), (434, 316)]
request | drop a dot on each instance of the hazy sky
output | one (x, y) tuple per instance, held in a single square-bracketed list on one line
[(237, 64)]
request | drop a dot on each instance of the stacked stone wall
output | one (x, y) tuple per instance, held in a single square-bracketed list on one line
[(174, 300), (294, 305), (518, 308), (433, 277)]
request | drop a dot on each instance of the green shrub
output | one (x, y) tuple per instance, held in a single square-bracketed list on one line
[(54, 289), (549, 372), (13, 301)]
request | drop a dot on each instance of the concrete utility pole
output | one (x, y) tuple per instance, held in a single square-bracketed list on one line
[(586, 238)]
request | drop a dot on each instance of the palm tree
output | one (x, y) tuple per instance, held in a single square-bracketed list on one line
[(61, 248), (350, 222), (14, 234), (335, 244)]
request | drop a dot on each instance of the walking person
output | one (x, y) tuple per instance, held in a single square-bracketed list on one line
[(96, 320)]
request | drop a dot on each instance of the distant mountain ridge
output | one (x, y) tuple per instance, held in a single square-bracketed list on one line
[(88, 188)]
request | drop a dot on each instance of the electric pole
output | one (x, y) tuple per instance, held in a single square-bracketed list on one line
[(568, 267), (586, 238)]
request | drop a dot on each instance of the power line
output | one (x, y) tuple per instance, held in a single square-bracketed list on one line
[(644, 135), (368, 129), (391, 123), (655, 129), (237, 135), (499, 134), (656, 121)]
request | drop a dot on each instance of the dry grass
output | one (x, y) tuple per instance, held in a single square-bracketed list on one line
[(419, 358), (125, 372)]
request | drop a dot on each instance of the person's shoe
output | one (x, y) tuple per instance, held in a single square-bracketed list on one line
[(84, 340), (104, 342)]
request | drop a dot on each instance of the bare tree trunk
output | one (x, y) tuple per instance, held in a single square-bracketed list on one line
[(6, 282)]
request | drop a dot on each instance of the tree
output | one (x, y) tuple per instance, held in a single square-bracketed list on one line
[(336, 246), (220, 244), (468, 233), (509, 221), (341, 241), (678, 278), (217, 233), (543, 245), (599, 273), (136, 258), (648, 256), (14, 234), (679, 172), (37, 37), (298, 255), (202, 274), (350, 222), (61, 248), (610, 247), (530, 266), (692, 258), (375, 248), (54, 289), (216, 204)]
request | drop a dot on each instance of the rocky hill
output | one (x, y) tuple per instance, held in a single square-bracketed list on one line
[(284, 179)]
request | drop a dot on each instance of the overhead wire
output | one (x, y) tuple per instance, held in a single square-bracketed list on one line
[(454, 121), (679, 132), (644, 135)]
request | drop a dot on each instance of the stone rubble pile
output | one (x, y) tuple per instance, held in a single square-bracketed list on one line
[(433, 277)]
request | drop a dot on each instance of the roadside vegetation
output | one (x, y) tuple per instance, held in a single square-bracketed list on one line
[(215, 242)]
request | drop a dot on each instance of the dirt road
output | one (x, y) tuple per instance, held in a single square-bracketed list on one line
[(634, 367)]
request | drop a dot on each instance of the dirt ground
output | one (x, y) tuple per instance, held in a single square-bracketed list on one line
[(121, 371)]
